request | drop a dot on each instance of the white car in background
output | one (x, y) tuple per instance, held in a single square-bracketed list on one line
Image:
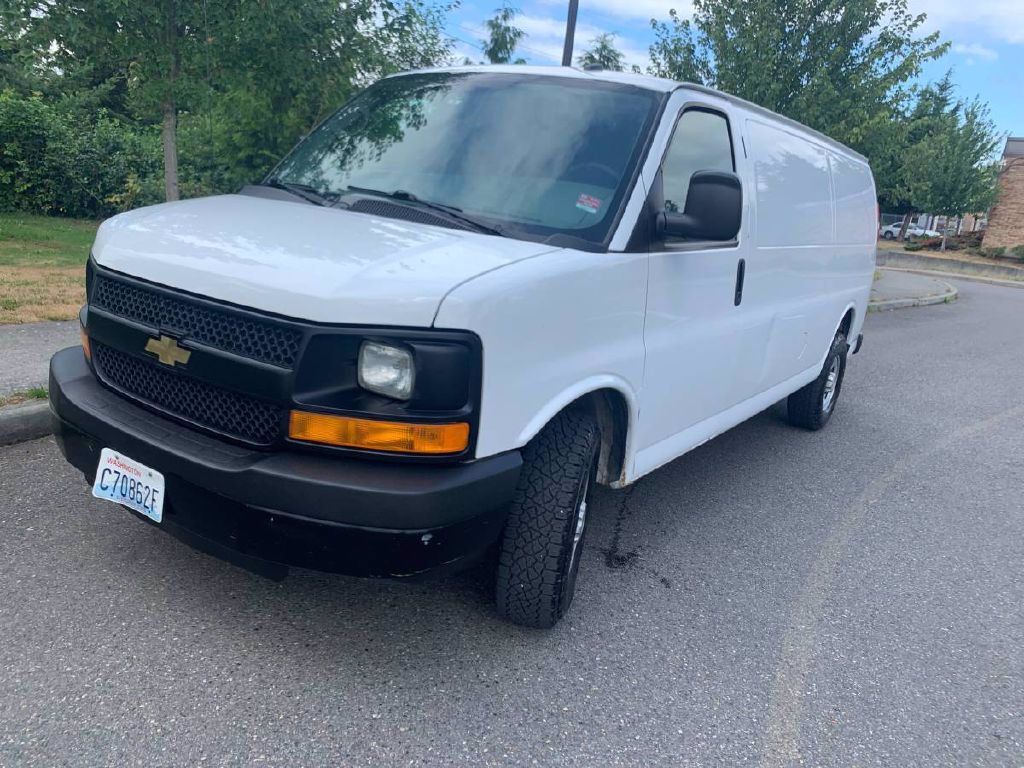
[(892, 231)]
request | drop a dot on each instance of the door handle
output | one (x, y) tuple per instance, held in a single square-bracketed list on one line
[(741, 271)]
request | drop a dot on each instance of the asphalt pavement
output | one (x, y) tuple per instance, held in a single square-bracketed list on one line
[(848, 597)]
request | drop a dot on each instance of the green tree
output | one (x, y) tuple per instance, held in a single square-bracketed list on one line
[(890, 145), (502, 36), (602, 54), (244, 79), (675, 54), (952, 170), (154, 47), (840, 66), (292, 64), (15, 69)]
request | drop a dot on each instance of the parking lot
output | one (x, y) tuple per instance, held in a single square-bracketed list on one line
[(848, 597)]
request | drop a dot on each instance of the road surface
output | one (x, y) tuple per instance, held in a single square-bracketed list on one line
[(25, 353), (848, 597)]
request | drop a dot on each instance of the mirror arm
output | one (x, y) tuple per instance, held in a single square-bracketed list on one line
[(680, 222)]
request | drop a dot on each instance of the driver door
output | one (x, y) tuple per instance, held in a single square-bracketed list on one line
[(703, 356)]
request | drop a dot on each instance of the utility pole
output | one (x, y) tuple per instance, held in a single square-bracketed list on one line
[(570, 33)]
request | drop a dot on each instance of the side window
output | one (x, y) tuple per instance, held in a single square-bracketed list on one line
[(700, 143)]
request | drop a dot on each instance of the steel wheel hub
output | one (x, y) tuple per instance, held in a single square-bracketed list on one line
[(828, 395)]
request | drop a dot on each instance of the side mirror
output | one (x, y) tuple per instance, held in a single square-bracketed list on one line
[(714, 208)]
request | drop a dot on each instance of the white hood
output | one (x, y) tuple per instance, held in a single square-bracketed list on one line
[(321, 264)]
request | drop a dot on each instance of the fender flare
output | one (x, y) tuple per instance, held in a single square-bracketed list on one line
[(573, 393), (851, 307)]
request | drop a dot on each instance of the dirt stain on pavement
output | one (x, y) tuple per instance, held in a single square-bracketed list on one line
[(614, 557)]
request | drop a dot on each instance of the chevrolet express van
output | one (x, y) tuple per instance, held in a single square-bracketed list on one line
[(459, 303)]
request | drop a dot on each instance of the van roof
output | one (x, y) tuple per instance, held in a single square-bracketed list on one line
[(640, 81), (648, 82)]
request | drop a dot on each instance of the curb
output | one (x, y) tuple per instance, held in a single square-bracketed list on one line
[(957, 267), (28, 421), (947, 297), (958, 276)]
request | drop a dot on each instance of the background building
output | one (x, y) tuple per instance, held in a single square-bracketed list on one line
[(1006, 220)]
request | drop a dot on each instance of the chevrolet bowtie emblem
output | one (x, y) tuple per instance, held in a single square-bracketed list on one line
[(167, 351)]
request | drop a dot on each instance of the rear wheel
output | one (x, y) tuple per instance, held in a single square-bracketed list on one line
[(812, 406), (889, 235), (540, 548)]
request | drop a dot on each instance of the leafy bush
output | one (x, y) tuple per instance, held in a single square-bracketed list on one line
[(969, 239), (61, 158), (1018, 252), (56, 160), (994, 253), (914, 246)]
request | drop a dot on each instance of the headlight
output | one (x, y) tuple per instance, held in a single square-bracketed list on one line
[(386, 370)]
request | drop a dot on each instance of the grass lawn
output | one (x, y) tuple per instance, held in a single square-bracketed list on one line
[(42, 267)]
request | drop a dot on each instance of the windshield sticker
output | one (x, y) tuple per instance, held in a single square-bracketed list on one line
[(588, 203)]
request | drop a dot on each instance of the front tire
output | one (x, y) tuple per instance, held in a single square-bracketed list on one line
[(812, 406), (889, 236), (540, 548)]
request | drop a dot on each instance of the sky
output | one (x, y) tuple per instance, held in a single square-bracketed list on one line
[(986, 36)]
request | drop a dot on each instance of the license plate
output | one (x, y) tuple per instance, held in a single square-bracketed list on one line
[(131, 483)]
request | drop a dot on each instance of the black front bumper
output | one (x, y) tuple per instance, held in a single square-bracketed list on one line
[(269, 510)]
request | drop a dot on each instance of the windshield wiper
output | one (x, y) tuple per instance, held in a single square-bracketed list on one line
[(305, 191), (450, 211)]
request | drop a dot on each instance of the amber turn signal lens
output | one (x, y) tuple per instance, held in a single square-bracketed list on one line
[(372, 435), (85, 343)]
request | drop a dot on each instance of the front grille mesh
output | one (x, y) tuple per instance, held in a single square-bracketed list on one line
[(223, 329), (229, 413)]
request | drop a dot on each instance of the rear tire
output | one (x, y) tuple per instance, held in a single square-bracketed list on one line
[(812, 406), (889, 236), (539, 552)]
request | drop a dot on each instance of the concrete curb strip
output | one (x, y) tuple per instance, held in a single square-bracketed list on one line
[(959, 276), (914, 261), (947, 296), (27, 421)]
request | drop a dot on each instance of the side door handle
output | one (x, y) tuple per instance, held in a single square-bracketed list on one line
[(741, 272)]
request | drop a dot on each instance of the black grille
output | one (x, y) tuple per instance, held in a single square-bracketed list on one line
[(223, 329), (405, 213), (238, 416)]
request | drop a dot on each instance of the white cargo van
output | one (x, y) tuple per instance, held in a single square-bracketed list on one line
[(465, 298)]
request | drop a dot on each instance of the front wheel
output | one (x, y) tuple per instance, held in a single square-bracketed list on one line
[(812, 406), (889, 236), (543, 539)]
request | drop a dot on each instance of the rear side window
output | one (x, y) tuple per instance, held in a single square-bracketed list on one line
[(793, 195), (701, 142)]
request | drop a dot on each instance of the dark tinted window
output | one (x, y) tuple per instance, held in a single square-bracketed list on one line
[(700, 143)]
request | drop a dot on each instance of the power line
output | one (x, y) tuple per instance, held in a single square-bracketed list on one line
[(480, 47)]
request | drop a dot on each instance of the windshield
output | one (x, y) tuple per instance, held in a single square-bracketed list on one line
[(534, 156)]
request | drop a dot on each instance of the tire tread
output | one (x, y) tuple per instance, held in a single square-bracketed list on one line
[(537, 543), (804, 406)]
